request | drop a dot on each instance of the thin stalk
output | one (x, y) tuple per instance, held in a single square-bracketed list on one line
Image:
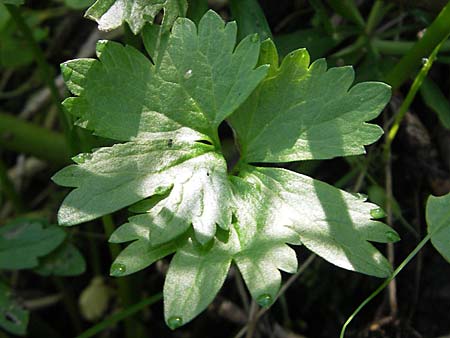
[(25, 137), (45, 69), (385, 283), (124, 288), (410, 96), (376, 14), (252, 320), (283, 289), (119, 316), (392, 47), (7, 186), (392, 287), (94, 254), (434, 35)]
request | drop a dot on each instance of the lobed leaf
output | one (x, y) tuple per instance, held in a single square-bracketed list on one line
[(330, 222), (118, 176), (171, 172), (199, 79), (304, 112)]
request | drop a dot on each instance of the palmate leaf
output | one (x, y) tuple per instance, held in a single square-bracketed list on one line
[(110, 14), (171, 173)]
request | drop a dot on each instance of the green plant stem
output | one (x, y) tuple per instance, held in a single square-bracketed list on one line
[(283, 289), (25, 137), (45, 69), (434, 35), (375, 16), (409, 98), (7, 186), (121, 315), (349, 10), (123, 283), (385, 283), (400, 47)]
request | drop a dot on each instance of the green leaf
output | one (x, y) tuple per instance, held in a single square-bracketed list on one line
[(110, 14), (307, 112), (24, 240), (66, 260), (139, 254), (121, 175), (193, 280), (438, 221), (436, 101), (334, 224), (171, 173), (200, 79), (13, 318)]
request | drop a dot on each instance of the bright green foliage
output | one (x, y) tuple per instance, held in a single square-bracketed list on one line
[(110, 14), (199, 80), (328, 221), (24, 240), (66, 260), (438, 221), (13, 317), (304, 112), (171, 171)]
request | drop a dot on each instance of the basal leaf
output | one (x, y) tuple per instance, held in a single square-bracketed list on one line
[(438, 221), (304, 112), (24, 240), (110, 14), (172, 175), (199, 79)]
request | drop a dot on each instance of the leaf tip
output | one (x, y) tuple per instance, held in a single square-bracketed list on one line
[(118, 270), (174, 322)]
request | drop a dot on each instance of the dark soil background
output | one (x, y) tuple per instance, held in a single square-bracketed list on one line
[(317, 304)]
